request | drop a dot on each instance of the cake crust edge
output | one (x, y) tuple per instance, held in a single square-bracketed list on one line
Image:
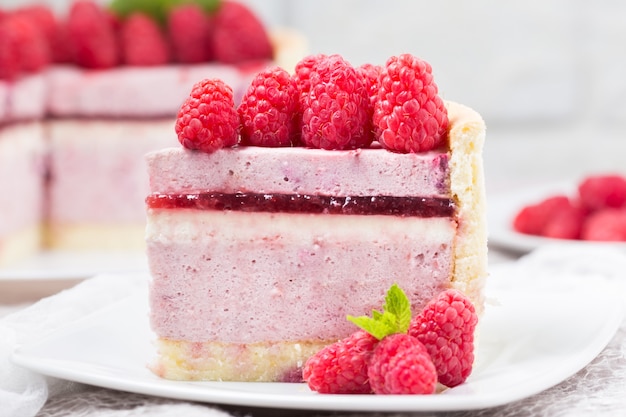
[(466, 140)]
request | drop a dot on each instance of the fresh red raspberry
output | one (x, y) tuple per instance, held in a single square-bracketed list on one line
[(341, 368), (50, 27), (566, 222), (334, 110), (371, 74), (603, 191), (269, 110), (208, 119), (533, 218), (142, 42), (23, 47), (409, 115), (400, 364), (446, 328), (190, 31), (605, 225), (239, 35), (91, 36), (305, 67), (9, 51)]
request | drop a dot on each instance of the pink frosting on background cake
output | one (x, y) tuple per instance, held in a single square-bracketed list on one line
[(22, 151), (98, 122)]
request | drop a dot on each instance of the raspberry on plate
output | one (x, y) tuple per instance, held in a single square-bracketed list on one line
[(208, 119), (446, 328), (409, 116), (603, 191), (269, 110), (608, 225), (341, 368), (566, 222), (533, 218), (400, 364), (334, 103)]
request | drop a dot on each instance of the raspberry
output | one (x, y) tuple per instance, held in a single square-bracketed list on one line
[(446, 328), (190, 31), (269, 110), (370, 74), (409, 116), (603, 191), (305, 67), (239, 35), (606, 225), (142, 42), (208, 120), (341, 368), (334, 110), (400, 364), (23, 47), (533, 219), (50, 28), (91, 35), (9, 51), (565, 223)]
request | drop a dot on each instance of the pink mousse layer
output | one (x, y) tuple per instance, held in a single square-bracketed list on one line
[(21, 176), (112, 149), (246, 277), (363, 172), (236, 277), (130, 91), (23, 99)]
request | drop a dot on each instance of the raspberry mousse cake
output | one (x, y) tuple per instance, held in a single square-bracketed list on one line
[(305, 203), (98, 89)]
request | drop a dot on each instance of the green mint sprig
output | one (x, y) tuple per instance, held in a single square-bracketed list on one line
[(395, 317), (158, 9)]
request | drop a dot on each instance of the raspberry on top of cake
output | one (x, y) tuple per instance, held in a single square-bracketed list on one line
[(304, 203)]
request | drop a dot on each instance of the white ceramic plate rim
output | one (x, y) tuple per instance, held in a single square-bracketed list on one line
[(502, 209), (111, 347)]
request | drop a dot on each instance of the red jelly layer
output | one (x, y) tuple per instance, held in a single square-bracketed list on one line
[(299, 203)]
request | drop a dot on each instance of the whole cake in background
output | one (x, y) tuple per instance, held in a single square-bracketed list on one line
[(85, 95), (279, 216)]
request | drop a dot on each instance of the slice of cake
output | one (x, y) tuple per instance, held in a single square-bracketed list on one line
[(92, 91), (258, 253)]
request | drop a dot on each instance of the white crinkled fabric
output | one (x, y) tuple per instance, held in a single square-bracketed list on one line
[(596, 390)]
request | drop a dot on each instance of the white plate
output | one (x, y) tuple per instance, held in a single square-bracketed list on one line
[(49, 272), (57, 265), (529, 342), (503, 208)]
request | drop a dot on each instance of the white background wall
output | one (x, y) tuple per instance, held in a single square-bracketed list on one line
[(549, 77)]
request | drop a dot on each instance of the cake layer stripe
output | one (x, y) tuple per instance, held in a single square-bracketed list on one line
[(238, 277), (298, 203), (299, 170)]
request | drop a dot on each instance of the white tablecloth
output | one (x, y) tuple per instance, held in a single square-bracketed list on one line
[(597, 390)]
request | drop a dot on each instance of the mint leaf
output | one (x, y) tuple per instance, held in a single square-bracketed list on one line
[(395, 318), (397, 303), (377, 328), (158, 9)]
